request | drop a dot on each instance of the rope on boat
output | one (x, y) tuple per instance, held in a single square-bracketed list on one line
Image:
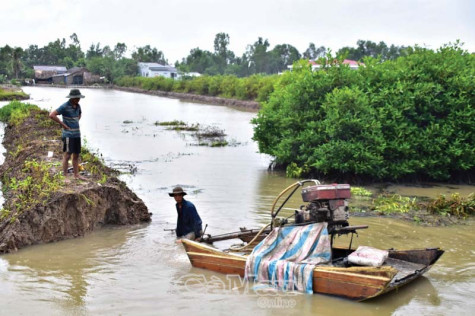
[(235, 248)]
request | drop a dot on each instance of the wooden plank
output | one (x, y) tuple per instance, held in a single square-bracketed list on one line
[(345, 289), (230, 258), (216, 267), (221, 264), (422, 256), (352, 278)]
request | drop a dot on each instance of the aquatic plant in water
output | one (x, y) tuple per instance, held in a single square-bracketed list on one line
[(359, 191), (170, 123), (394, 203)]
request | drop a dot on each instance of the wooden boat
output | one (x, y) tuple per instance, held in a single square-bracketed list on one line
[(328, 203), (353, 282)]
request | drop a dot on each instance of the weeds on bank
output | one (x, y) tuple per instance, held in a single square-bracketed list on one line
[(453, 206), (91, 163), (38, 185), (17, 151)]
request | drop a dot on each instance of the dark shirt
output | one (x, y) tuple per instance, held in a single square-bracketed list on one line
[(188, 220)]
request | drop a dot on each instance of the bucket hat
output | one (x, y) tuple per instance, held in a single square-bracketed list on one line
[(177, 191), (75, 93)]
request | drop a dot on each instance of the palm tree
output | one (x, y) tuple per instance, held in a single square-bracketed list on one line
[(16, 61)]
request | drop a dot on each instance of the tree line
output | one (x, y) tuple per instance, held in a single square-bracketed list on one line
[(112, 63)]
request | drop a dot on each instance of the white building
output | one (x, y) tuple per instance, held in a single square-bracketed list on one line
[(154, 70), (351, 63)]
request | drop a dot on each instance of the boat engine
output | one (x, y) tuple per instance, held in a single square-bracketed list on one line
[(327, 203)]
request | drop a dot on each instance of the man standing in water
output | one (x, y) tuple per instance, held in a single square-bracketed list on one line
[(189, 222), (71, 136)]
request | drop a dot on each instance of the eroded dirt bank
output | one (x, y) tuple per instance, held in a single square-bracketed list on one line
[(41, 205)]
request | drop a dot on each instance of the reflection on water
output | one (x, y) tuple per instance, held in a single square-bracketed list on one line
[(140, 270)]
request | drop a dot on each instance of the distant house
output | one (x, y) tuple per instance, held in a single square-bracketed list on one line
[(351, 63), (154, 70), (45, 74), (76, 76)]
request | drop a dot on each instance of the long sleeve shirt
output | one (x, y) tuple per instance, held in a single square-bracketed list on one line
[(188, 220)]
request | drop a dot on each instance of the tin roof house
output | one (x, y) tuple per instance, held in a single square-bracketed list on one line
[(77, 76), (44, 74), (154, 70)]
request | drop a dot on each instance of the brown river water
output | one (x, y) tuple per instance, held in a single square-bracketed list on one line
[(141, 270)]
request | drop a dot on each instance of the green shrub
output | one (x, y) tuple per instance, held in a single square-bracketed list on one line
[(256, 87), (410, 118)]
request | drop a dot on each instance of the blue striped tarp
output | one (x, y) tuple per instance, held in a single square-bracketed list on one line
[(287, 256)]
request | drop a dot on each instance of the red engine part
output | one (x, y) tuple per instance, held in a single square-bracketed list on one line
[(326, 192)]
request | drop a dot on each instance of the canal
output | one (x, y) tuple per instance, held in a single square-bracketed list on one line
[(140, 270)]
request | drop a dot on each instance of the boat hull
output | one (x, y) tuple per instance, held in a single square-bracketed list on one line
[(356, 283)]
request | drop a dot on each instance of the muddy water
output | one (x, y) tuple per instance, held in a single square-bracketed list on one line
[(141, 271)]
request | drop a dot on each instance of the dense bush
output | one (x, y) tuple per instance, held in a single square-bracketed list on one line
[(413, 117)]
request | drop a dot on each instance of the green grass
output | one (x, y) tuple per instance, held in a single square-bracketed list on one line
[(15, 112)]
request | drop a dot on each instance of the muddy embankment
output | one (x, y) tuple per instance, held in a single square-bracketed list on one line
[(251, 105), (41, 205), (11, 92)]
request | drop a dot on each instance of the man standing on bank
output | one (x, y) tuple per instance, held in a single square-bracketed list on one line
[(189, 222), (71, 136)]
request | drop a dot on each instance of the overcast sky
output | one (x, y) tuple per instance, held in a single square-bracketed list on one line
[(177, 26)]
